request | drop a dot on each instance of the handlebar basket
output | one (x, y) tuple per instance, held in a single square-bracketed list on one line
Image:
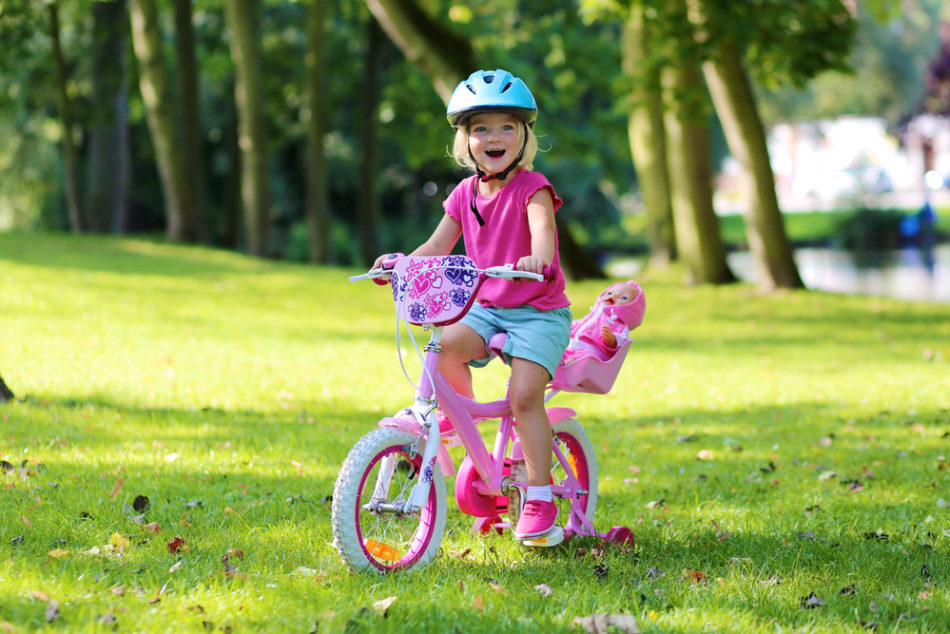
[(435, 291)]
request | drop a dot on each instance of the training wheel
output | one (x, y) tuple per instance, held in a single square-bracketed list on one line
[(620, 535), (485, 525)]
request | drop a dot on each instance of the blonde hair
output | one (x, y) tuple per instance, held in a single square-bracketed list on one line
[(463, 157)]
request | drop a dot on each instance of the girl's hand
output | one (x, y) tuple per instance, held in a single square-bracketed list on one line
[(531, 264), (609, 338), (385, 261)]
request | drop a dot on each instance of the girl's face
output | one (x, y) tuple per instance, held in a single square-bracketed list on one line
[(494, 139), (619, 294)]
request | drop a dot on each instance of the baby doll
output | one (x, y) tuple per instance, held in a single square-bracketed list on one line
[(618, 310)]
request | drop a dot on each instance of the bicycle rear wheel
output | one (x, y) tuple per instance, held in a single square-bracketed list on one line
[(377, 477), (578, 458)]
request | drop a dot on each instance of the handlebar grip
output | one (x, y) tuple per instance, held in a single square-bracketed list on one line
[(388, 263)]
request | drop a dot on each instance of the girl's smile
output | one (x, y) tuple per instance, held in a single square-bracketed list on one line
[(494, 138)]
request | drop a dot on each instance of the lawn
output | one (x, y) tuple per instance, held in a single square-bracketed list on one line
[(181, 415)]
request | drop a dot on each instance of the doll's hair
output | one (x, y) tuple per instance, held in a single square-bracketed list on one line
[(464, 158)]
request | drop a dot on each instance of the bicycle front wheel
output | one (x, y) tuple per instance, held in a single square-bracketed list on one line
[(369, 529)]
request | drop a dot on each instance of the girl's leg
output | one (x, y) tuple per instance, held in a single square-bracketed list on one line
[(528, 380), (460, 344)]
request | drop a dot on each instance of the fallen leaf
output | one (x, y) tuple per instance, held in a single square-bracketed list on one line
[(233, 553), (694, 575), (299, 467), (106, 619), (116, 488), (175, 566), (52, 611), (8, 627), (544, 589), (705, 454), (826, 475), (184, 520), (118, 591), (500, 589), (656, 504), (602, 623), (811, 601), (478, 603), (119, 542), (26, 522), (175, 545), (382, 606), (57, 553), (153, 527), (172, 457), (923, 595), (141, 504), (39, 594), (229, 511)]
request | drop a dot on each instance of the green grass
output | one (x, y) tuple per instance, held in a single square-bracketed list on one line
[(780, 446)]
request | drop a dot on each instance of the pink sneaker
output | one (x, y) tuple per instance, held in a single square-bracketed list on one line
[(537, 519)]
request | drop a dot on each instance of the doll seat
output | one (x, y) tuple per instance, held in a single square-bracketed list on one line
[(589, 373)]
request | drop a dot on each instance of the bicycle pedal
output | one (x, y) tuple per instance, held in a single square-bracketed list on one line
[(553, 538)]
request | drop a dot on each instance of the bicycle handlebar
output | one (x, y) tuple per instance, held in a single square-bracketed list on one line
[(506, 271)]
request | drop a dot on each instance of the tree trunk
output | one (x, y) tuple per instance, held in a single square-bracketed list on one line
[(647, 138), (189, 120), (444, 55), (698, 240), (318, 200), (732, 95), (66, 113), (243, 20), (5, 393), (108, 165), (153, 83), (367, 204)]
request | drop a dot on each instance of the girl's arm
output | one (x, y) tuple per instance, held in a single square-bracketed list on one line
[(541, 225)]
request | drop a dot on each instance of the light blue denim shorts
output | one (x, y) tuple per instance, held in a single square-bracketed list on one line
[(536, 335)]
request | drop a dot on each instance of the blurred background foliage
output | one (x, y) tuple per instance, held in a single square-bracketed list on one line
[(565, 50)]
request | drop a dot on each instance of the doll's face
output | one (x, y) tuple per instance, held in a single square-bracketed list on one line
[(619, 294)]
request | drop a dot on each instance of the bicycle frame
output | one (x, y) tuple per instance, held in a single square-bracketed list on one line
[(482, 477), (434, 389)]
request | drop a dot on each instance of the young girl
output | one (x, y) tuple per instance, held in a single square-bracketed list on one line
[(505, 211)]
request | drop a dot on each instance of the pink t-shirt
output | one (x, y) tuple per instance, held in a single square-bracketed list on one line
[(505, 238)]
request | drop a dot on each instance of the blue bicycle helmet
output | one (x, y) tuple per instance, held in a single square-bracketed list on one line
[(491, 90)]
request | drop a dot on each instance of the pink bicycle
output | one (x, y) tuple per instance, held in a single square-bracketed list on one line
[(389, 502)]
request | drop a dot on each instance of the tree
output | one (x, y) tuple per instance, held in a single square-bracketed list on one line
[(647, 135), (698, 240), (317, 199), (243, 18), (5, 393), (108, 170), (367, 203), (189, 116), (153, 83), (66, 114)]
